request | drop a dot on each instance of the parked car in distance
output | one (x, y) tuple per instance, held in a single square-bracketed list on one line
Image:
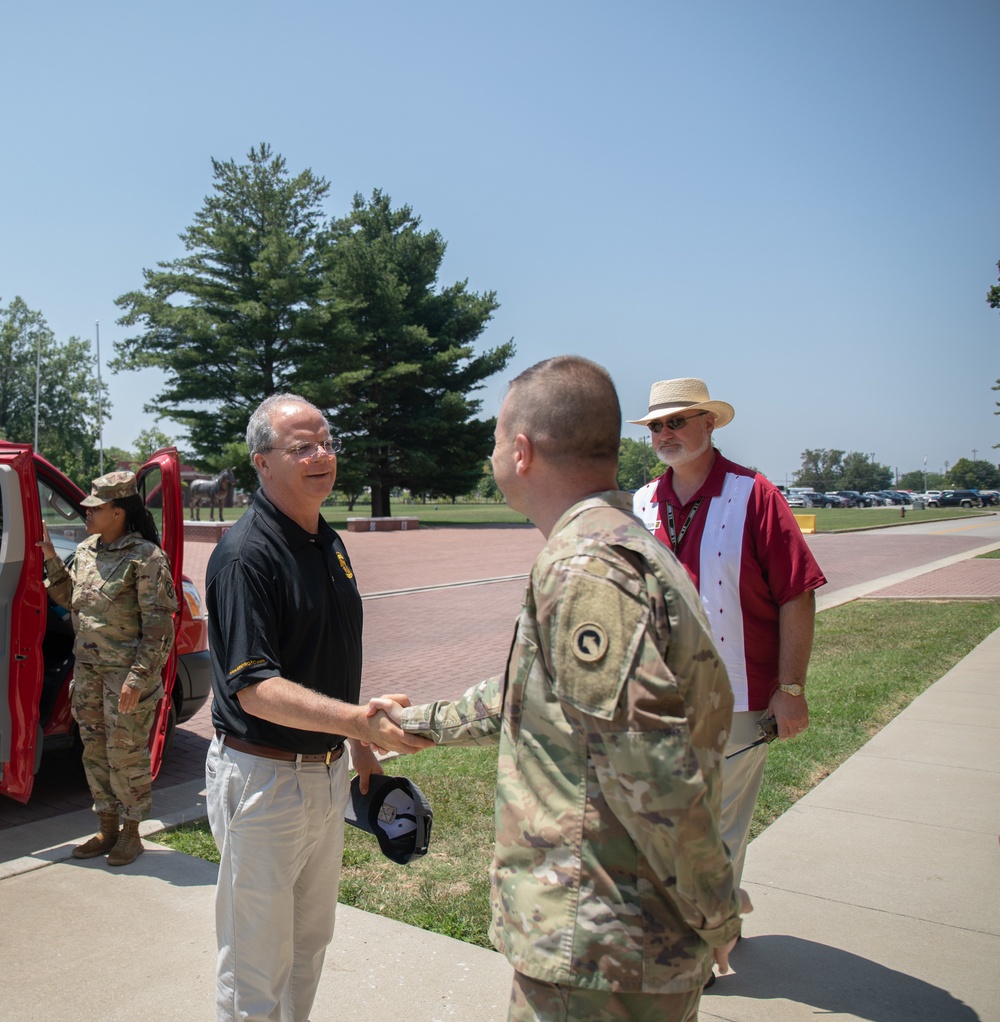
[(37, 636), (956, 498), (873, 499), (825, 500), (930, 495), (853, 498), (894, 496), (795, 499), (989, 497)]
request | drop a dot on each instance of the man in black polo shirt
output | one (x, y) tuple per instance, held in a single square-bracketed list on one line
[(285, 639)]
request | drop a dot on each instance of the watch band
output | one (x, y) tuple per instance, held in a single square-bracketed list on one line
[(792, 690)]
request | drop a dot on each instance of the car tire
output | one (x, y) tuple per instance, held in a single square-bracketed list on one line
[(933, 503), (966, 503), (168, 738)]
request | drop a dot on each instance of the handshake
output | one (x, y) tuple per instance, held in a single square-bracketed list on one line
[(382, 718)]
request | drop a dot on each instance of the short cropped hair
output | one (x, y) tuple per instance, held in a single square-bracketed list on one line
[(261, 434), (568, 407)]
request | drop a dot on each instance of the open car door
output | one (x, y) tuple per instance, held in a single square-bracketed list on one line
[(160, 487), (22, 622)]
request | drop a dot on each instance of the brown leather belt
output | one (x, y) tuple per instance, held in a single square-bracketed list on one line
[(269, 752)]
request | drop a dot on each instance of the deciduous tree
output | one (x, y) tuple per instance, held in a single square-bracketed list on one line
[(68, 429), (967, 474), (821, 469), (637, 464)]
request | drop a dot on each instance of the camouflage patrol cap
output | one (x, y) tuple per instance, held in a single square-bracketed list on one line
[(110, 487)]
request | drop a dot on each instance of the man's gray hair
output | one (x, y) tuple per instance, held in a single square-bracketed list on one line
[(261, 434)]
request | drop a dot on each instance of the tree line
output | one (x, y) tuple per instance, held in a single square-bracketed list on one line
[(347, 311)]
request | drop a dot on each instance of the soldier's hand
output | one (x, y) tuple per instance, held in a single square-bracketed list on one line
[(385, 735), (721, 956), (48, 550), (128, 700)]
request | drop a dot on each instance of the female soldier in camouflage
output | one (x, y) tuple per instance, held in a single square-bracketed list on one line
[(121, 593)]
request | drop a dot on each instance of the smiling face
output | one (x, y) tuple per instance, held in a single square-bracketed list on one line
[(297, 482)]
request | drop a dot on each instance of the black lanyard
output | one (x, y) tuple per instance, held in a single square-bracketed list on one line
[(675, 540)]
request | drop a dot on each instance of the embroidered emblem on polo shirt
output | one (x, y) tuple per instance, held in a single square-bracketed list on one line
[(246, 663), (343, 564)]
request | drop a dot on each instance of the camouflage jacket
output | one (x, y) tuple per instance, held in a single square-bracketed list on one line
[(609, 870), (123, 600)]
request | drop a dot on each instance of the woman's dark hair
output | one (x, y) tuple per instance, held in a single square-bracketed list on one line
[(137, 517)]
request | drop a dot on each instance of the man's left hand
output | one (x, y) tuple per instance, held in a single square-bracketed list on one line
[(365, 763), (791, 713)]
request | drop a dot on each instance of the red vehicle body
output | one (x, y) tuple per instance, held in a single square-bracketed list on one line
[(36, 636)]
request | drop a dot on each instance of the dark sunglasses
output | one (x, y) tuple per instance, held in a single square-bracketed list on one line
[(673, 424)]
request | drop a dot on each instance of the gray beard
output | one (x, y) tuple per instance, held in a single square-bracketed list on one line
[(684, 456)]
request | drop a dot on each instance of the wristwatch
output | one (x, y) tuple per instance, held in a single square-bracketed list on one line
[(792, 690)]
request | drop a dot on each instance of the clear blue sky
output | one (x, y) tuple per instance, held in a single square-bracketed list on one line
[(797, 201)]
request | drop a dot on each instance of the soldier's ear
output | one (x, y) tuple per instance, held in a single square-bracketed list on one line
[(524, 453)]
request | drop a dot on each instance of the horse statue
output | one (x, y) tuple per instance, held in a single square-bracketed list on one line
[(213, 491)]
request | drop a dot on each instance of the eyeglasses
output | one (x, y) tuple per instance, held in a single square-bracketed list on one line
[(674, 424), (306, 450)]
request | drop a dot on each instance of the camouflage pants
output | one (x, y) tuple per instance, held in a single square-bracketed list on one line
[(531, 1000), (115, 745)]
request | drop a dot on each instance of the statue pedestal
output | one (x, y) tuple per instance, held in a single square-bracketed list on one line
[(205, 532)]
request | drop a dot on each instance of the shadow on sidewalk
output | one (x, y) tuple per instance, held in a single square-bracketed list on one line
[(832, 981)]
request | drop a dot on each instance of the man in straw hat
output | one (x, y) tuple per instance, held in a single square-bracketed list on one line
[(738, 539)]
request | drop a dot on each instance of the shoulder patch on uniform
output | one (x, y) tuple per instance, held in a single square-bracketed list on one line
[(343, 564), (590, 642), (598, 629)]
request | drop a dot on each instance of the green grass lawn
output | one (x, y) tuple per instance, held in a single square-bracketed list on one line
[(443, 514), (834, 519), (870, 659)]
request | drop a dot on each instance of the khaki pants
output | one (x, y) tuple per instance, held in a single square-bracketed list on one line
[(280, 831), (741, 779)]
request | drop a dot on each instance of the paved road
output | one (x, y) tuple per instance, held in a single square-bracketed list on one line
[(440, 604)]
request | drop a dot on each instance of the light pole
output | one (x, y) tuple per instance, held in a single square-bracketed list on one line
[(38, 374)]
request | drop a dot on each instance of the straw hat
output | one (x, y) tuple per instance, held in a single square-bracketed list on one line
[(668, 397)]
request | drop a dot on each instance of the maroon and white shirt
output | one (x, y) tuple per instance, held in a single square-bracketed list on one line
[(742, 547)]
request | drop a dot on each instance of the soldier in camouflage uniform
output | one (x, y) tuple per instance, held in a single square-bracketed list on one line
[(121, 593), (612, 891)]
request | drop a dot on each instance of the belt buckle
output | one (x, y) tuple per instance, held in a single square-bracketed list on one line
[(329, 756)]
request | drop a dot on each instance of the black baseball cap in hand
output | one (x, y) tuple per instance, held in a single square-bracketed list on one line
[(396, 812)]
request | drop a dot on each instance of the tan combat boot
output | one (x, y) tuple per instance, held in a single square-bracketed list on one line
[(129, 846), (103, 841)]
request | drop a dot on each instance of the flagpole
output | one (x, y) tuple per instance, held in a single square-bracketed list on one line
[(100, 403)]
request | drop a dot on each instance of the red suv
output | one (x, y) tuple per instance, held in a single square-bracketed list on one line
[(36, 635)]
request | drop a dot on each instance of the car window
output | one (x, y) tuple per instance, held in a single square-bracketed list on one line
[(65, 524)]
